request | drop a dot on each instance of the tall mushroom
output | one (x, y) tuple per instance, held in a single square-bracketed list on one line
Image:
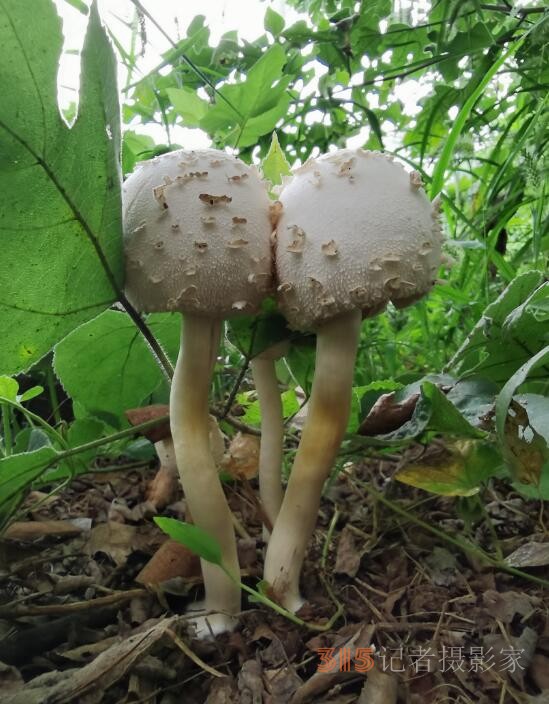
[(356, 231), (196, 226)]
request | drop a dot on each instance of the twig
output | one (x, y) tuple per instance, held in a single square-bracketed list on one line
[(236, 386), (193, 656), (9, 611)]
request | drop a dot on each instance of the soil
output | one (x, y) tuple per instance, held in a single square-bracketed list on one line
[(424, 616)]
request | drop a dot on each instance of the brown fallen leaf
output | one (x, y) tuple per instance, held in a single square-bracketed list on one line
[(529, 555), (250, 682), (223, 691), (387, 414), (117, 540), (539, 671), (348, 555), (504, 605), (512, 656), (380, 688), (242, 458), (10, 678), (281, 683)]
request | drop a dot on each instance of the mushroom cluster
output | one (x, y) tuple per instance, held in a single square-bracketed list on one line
[(353, 231)]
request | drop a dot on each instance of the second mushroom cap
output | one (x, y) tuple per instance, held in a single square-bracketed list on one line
[(356, 232)]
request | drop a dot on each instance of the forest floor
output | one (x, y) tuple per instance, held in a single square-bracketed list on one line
[(77, 623)]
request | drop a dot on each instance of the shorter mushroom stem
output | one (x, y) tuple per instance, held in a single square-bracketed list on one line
[(272, 436), (328, 414), (190, 426)]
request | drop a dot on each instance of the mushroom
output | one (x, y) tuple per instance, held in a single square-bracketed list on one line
[(367, 235), (272, 430), (163, 488), (179, 234)]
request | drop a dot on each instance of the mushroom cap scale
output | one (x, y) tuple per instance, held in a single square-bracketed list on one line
[(355, 232), (196, 225)]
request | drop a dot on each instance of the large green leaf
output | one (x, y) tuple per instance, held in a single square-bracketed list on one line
[(105, 364), (60, 221), (507, 334), (445, 417), (261, 101)]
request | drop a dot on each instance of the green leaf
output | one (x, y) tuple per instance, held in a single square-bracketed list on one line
[(60, 214), (252, 416), (261, 100), (79, 5), (301, 361), (274, 166), (503, 399), (193, 537), (538, 491), (459, 123), (537, 408), (499, 343), (188, 105), (8, 388), (17, 473), (81, 431), (461, 474), (31, 393), (106, 366), (273, 22), (445, 417), (254, 334), (135, 147)]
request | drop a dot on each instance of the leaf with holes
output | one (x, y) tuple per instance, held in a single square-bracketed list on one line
[(60, 212)]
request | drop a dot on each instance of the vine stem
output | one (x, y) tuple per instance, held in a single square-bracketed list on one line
[(6, 423)]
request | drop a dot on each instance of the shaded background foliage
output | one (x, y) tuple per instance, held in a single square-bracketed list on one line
[(478, 134)]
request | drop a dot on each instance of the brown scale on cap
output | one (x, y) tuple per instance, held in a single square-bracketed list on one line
[(330, 248), (214, 200)]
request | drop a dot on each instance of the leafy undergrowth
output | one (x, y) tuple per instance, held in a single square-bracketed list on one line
[(76, 624)]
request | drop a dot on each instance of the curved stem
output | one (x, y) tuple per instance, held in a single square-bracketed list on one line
[(327, 418), (272, 436), (190, 425)]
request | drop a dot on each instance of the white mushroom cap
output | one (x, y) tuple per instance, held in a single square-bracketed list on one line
[(356, 231), (196, 234)]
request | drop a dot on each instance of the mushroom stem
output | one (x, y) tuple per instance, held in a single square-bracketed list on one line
[(329, 408), (272, 436), (190, 426)]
